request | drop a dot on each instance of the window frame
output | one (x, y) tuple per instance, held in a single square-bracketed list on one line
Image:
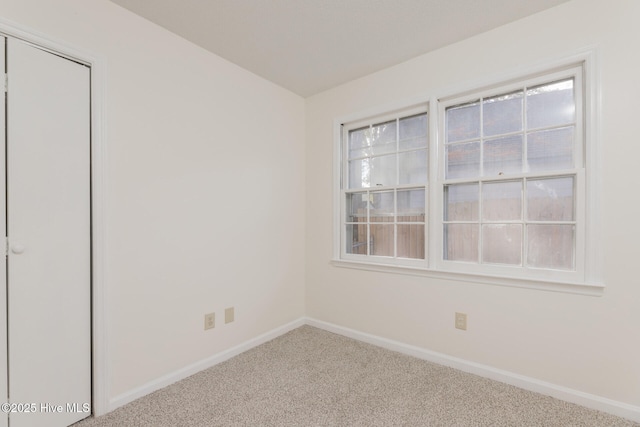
[(588, 277), (577, 274), (345, 128)]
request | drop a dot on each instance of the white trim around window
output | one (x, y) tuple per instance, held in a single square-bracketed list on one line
[(582, 275)]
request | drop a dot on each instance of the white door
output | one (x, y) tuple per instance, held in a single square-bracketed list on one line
[(3, 265), (48, 229)]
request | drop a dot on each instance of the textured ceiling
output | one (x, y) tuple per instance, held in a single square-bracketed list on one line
[(308, 46)]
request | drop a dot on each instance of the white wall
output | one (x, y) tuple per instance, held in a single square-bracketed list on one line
[(585, 343), (205, 191)]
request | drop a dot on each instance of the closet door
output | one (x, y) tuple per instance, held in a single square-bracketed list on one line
[(3, 264), (48, 225)]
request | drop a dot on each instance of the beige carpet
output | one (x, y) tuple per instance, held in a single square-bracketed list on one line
[(310, 377)]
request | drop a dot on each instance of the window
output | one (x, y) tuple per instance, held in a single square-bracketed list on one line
[(512, 163), (510, 193), (384, 194)]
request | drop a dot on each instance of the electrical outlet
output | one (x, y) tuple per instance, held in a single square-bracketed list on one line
[(209, 321), (461, 321), (228, 315)]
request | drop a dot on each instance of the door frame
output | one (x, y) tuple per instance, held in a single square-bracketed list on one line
[(99, 319)]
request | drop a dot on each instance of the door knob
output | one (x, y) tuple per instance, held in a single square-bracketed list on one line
[(17, 249)]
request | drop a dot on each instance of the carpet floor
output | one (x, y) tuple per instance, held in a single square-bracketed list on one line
[(310, 377)]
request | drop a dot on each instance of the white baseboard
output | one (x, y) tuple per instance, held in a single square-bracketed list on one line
[(194, 368), (587, 400)]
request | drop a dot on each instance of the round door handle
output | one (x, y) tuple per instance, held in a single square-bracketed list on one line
[(17, 249)]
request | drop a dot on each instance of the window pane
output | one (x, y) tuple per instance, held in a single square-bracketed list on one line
[(461, 242), (411, 205), (550, 199), (382, 239), (463, 122), (356, 240), (413, 132), (502, 244), (411, 241), (551, 105), (383, 138), (413, 167), (383, 171), (502, 201), (502, 156), (359, 172), (550, 149), (551, 246), (371, 141), (461, 202), (356, 207), (463, 160), (382, 206), (359, 142), (502, 114)]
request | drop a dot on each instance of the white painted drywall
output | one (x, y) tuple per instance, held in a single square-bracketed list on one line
[(205, 191), (585, 343)]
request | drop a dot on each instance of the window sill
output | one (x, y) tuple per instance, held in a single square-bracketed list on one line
[(543, 285)]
